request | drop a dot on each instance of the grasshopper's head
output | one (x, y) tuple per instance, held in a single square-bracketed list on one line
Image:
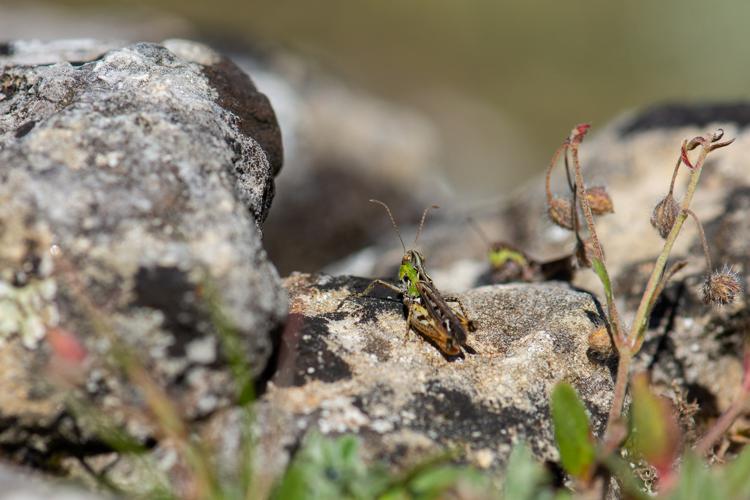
[(409, 271)]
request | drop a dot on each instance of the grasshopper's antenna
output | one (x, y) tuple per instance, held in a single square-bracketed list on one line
[(393, 221), (475, 225), (421, 222)]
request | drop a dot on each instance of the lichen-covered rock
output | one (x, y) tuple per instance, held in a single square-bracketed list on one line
[(132, 180), (347, 367)]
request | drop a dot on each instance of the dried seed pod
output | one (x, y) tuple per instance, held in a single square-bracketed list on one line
[(664, 215), (599, 200), (721, 287), (560, 211)]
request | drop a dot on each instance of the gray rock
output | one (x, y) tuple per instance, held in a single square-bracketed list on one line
[(132, 178), (347, 368)]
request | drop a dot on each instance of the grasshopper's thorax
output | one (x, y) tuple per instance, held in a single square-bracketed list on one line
[(411, 271), (501, 254)]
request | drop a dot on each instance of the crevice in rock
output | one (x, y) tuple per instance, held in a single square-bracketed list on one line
[(678, 115)]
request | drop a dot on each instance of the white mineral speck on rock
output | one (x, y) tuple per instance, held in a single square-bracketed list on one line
[(202, 350), (485, 458), (381, 426)]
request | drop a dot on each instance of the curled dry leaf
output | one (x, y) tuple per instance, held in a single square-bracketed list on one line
[(560, 211)]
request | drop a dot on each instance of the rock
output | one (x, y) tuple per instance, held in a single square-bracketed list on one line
[(20, 484), (346, 367), (134, 182)]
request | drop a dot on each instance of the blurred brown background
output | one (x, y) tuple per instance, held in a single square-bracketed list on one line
[(497, 74), (501, 82)]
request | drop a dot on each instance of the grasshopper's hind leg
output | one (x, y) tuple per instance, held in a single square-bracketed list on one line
[(452, 298)]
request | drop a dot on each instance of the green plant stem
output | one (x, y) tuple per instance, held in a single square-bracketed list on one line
[(635, 339)]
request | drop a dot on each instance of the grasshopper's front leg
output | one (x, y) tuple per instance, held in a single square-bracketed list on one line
[(409, 316), (368, 290), (382, 283)]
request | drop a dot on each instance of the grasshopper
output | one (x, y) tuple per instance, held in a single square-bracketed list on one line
[(508, 264), (428, 312)]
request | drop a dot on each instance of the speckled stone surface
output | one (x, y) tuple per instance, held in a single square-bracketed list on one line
[(348, 368)]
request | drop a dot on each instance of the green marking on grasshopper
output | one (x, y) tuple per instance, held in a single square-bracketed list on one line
[(500, 255)]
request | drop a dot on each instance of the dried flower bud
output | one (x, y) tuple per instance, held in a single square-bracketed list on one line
[(664, 215), (721, 287), (717, 135), (585, 252), (560, 211), (578, 132), (599, 200), (600, 344)]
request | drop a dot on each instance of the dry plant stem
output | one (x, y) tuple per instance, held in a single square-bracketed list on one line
[(704, 242), (722, 425), (614, 316), (621, 385), (585, 207), (552, 163), (674, 174)]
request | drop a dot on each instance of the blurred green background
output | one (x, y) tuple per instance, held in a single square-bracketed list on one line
[(505, 80)]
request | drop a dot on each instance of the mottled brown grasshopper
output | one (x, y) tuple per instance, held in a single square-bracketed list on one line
[(428, 312)]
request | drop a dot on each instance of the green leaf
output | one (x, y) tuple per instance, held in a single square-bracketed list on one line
[(431, 483), (525, 478), (330, 468), (736, 476), (630, 484), (695, 481), (601, 271), (572, 432)]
